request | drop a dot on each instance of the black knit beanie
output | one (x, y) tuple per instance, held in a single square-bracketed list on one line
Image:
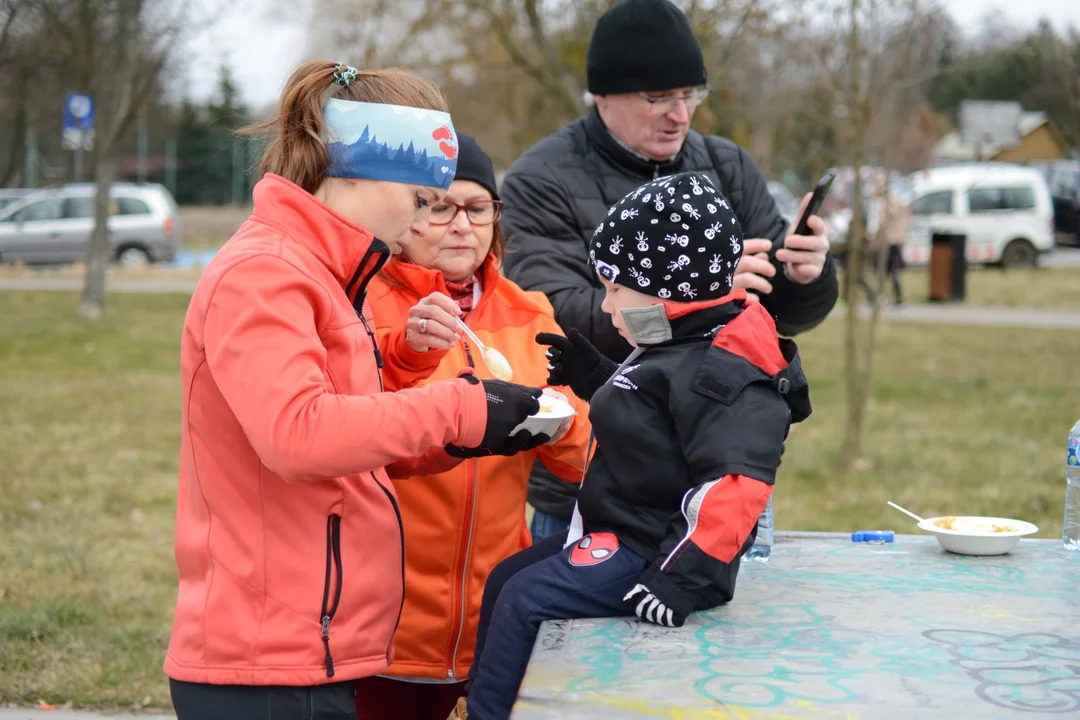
[(474, 164), (643, 46), (675, 238)]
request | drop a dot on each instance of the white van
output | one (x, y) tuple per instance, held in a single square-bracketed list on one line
[(1005, 211)]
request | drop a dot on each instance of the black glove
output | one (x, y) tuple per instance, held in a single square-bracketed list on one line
[(651, 608), (520, 442), (574, 362), (508, 404)]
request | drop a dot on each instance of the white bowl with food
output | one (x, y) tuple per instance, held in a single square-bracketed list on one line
[(975, 535), (553, 412)]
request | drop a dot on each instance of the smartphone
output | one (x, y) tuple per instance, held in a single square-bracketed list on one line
[(820, 193)]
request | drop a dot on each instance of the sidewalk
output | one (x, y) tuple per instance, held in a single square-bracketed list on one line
[(948, 314), (33, 714)]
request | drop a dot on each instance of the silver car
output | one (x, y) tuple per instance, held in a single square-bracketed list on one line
[(53, 226)]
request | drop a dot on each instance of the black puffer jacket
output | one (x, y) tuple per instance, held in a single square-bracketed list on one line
[(557, 193)]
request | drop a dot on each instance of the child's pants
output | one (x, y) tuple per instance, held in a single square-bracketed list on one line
[(543, 582)]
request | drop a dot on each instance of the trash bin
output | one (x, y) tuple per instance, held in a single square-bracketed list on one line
[(948, 267)]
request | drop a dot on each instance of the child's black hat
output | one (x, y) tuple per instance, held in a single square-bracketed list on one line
[(675, 238)]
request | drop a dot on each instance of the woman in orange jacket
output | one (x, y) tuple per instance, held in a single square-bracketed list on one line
[(289, 542), (460, 523)]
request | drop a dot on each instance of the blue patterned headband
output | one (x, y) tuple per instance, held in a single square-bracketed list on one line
[(390, 142)]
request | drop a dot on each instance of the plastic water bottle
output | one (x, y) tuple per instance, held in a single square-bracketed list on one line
[(1070, 535), (762, 547)]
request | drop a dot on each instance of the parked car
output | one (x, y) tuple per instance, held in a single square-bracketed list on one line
[(1005, 211), (10, 195), (1063, 177), (53, 226)]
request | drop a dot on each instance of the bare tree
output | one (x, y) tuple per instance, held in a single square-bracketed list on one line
[(16, 23), (876, 72), (9, 12), (115, 50)]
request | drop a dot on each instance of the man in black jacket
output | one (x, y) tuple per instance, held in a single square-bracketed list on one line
[(647, 73)]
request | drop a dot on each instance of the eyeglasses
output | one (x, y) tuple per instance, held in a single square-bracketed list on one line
[(481, 212), (669, 103)]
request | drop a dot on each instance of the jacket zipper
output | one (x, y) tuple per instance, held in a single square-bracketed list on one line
[(333, 563), (360, 280), (468, 539), (374, 347), (465, 565)]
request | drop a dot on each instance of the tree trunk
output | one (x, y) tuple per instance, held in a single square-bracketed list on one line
[(853, 384), (92, 302), (18, 130)]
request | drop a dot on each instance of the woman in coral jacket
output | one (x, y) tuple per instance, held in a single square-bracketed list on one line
[(289, 542), (458, 524)]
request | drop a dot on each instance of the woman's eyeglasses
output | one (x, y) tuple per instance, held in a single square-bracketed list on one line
[(481, 212)]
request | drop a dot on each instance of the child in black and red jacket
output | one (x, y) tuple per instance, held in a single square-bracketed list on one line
[(689, 431)]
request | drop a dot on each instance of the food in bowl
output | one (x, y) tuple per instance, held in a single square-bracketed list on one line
[(548, 418), (972, 535), (972, 525)]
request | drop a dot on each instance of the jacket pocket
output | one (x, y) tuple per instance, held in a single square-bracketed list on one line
[(333, 583)]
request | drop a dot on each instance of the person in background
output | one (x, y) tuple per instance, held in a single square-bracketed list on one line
[(889, 220), (289, 545), (647, 73), (460, 523)]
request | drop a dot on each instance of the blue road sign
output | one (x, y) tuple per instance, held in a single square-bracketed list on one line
[(78, 122)]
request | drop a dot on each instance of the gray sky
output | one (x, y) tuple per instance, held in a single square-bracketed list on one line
[(261, 49)]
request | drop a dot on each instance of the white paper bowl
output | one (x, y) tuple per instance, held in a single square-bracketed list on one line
[(547, 422), (973, 536)]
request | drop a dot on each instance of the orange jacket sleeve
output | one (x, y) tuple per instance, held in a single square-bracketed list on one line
[(566, 458), (265, 354), (435, 461), (403, 367)]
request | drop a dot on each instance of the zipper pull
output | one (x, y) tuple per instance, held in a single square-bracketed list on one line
[(326, 644), (371, 336)]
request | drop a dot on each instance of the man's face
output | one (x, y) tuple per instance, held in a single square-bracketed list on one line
[(652, 124)]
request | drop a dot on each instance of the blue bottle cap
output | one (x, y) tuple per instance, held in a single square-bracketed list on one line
[(873, 536)]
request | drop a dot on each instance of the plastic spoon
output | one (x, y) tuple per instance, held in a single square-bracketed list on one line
[(906, 512), (494, 359)]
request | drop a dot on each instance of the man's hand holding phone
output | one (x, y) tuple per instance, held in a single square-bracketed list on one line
[(804, 255), (805, 250)]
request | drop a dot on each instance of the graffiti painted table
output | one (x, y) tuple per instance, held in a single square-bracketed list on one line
[(829, 629)]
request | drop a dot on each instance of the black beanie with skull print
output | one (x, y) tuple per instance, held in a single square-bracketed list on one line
[(675, 238)]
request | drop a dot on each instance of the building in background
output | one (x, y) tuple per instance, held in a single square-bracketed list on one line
[(1002, 132)]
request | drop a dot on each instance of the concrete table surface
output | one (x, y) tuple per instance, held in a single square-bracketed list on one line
[(829, 629)]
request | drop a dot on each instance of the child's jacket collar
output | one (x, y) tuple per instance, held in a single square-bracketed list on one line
[(666, 321)]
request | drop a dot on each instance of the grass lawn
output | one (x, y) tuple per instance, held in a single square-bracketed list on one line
[(965, 420)]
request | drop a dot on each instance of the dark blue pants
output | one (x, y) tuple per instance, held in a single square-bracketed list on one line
[(543, 582), (544, 526)]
